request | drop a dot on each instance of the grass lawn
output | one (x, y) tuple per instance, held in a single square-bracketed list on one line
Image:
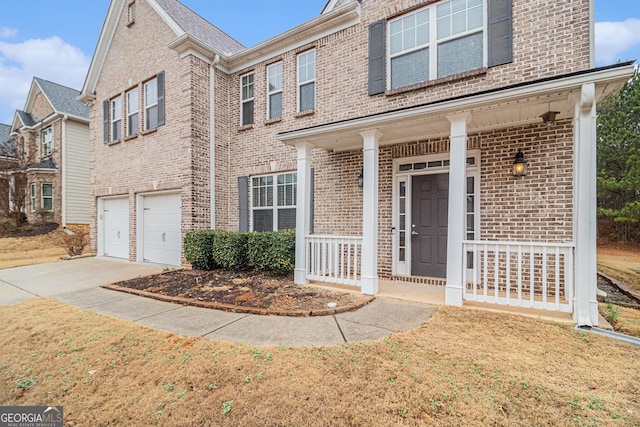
[(463, 367), (19, 251)]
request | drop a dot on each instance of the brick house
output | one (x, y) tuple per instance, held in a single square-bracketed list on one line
[(51, 137), (445, 142)]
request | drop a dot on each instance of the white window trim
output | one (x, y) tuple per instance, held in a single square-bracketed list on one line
[(275, 207), (44, 142), (434, 42), (131, 113), (275, 92), (305, 82), (42, 196), (251, 99), (113, 120), (32, 196), (149, 106), (403, 268)]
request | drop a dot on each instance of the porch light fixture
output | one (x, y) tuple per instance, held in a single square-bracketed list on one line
[(549, 117), (361, 179), (520, 165)]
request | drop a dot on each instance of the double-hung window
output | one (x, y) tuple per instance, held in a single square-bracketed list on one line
[(274, 95), (151, 104), (47, 197), (274, 200), (116, 118), (436, 41), (32, 196), (132, 112), (47, 142), (307, 81), (246, 96)]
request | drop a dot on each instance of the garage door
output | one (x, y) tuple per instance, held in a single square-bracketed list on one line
[(116, 227), (162, 231)]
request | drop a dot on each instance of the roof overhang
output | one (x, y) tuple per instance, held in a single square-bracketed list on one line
[(514, 105)]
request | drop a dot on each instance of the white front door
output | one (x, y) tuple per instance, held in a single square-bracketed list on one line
[(116, 227), (162, 229)]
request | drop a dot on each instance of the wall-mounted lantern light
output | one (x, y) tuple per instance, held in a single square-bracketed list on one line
[(549, 117), (520, 165), (361, 179)]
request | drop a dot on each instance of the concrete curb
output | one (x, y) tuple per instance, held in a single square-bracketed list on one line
[(361, 302)]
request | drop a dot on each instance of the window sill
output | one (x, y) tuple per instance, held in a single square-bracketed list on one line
[(305, 113), (117, 141), (130, 23), (272, 121), (148, 131), (130, 137), (443, 80), (245, 127)]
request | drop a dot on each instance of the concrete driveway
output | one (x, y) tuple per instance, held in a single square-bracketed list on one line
[(50, 280)]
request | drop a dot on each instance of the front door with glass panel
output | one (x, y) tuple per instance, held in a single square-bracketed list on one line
[(429, 217)]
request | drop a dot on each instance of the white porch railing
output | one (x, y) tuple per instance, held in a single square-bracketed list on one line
[(523, 274), (334, 259)]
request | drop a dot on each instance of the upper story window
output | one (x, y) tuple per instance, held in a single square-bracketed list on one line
[(307, 81), (151, 104), (274, 199), (131, 13), (132, 112), (437, 41), (47, 142), (116, 118), (246, 99), (23, 147), (274, 84)]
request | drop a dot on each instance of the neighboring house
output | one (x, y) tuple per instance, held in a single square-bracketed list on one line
[(52, 137), (387, 133)]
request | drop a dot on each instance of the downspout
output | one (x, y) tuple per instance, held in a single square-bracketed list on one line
[(63, 165), (212, 142)]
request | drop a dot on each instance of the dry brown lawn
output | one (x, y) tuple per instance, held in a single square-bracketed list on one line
[(463, 368), (621, 264)]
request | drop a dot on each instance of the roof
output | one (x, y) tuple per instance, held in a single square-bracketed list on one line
[(63, 99), (197, 26), (46, 163), (5, 132), (26, 118)]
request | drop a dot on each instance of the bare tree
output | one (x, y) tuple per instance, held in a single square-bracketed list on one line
[(14, 185)]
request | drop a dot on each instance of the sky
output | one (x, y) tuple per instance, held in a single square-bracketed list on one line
[(55, 40)]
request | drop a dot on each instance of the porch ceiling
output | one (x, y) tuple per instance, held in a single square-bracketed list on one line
[(517, 105)]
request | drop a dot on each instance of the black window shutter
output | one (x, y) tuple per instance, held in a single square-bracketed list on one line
[(161, 108), (500, 32), (377, 57), (311, 202), (105, 121), (243, 203)]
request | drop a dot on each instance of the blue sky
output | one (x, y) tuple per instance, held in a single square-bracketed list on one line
[(55, 40)]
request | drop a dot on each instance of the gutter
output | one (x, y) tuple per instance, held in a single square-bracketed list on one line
[(610, 334)]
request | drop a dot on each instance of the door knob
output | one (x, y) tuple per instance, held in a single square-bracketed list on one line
[(414, 233)]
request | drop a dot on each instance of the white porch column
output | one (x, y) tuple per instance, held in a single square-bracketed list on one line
[(585, 306), (303, 210), (369, 274), (457, 207)]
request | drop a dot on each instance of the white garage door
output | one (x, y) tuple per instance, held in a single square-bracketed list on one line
[(162, 231), (116, 227)]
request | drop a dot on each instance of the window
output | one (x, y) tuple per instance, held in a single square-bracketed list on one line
[(246, 96), (274, 199), (32, 196), (23, 150), (47, 142), (151, 104), (47, 197), (307, 81), (116, 118), (131, 12), (436, 41), (274, 91), (132, 112)]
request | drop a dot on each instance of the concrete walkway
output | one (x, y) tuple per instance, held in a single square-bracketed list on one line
[(78, 283)]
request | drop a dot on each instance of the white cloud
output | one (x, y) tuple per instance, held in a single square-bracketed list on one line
[(51, 59), (614, 38), (6, 32)]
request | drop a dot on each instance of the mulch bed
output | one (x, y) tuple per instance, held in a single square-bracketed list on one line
[(242, 292), (617, 293), (27, 230)]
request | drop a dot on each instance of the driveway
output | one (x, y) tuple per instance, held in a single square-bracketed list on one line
[(50, 280)]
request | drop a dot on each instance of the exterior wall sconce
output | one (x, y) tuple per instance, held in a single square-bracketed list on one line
[(549, 117), (361, 179), (520, 165)]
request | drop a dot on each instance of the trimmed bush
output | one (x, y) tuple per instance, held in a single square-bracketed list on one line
[(273, 251), (230, 250), (198, 249)]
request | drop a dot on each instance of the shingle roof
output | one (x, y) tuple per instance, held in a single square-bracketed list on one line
[(26, 118), (63, 99), (46, 163), (5, 132), (197, 26)]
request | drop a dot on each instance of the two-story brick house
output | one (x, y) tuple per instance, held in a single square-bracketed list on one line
[(445, 142), (51, 135)]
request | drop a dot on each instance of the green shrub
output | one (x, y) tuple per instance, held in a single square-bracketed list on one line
[(230, 250), (198, 249), (273, 251)]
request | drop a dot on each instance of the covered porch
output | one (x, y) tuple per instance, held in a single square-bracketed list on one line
[(477, 263)]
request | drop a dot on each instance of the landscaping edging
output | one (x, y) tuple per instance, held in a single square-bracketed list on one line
[(361, 302), (623, 288)]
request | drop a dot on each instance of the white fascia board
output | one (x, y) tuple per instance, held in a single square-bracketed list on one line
[(344, 17), (621, 74), (187, 45)]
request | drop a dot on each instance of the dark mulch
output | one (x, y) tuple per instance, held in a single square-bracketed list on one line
[(8, 229), (242, 289), (615, 295)]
